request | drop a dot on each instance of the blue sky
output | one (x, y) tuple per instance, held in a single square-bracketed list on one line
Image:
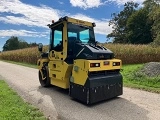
[(27, 19)]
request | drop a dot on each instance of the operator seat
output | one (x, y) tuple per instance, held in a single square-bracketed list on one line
[(70, 49)]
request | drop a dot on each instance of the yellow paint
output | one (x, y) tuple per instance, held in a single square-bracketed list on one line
[(81, 74), (80, 22), (41, 61), (102, 66), (60, 72)]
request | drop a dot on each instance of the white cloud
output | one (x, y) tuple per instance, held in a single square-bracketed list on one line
[(11, 32), (21, 21), (3, 37), (25, 14), (122, 2), (86, 3), (101, 25), (28, 14), (39, 16)]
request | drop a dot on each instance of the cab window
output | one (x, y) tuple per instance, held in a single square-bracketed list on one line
[(84, 36), (57, 38)]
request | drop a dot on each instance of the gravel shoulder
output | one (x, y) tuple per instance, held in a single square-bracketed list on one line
[(55, 102)]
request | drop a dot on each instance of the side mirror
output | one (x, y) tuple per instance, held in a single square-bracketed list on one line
[(40, 47)]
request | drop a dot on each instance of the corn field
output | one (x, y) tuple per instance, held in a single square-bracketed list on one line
[(135, 54), (129, 54), (27, 55)]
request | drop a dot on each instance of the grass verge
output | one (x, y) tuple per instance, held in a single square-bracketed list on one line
[(134, 79), (12, 107), (20, 63)]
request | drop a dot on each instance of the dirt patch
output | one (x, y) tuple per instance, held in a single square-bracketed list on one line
[(151, 69)]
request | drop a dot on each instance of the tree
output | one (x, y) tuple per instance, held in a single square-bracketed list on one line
[(14, 43), (155, 17), (34, 44), (11, 44), (139, 27), (150, 3), (23, 44), (119, 22)]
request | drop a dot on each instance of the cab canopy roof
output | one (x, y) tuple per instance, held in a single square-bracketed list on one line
[(72, 20)]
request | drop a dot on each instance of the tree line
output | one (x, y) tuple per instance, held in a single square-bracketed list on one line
[(137, 25), (14, 43)]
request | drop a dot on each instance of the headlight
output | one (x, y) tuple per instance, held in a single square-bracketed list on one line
[(116, 63), (94, 64)]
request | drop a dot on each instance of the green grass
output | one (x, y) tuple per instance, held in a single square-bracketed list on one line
[(21, 63), (135, 79), (12, 107)]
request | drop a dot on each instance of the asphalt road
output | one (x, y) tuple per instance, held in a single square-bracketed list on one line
[(56, 104)]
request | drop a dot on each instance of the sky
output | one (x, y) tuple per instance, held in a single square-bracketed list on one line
[(28, 19)]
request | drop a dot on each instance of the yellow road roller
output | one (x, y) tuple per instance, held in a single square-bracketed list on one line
[(75, 61)]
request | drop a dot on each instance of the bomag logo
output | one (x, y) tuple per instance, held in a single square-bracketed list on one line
[(101, 56), (80, 22)]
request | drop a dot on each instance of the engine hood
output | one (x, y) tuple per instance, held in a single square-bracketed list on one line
[(92, 52)]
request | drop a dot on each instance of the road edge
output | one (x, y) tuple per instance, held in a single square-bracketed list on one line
[(36, 99)]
